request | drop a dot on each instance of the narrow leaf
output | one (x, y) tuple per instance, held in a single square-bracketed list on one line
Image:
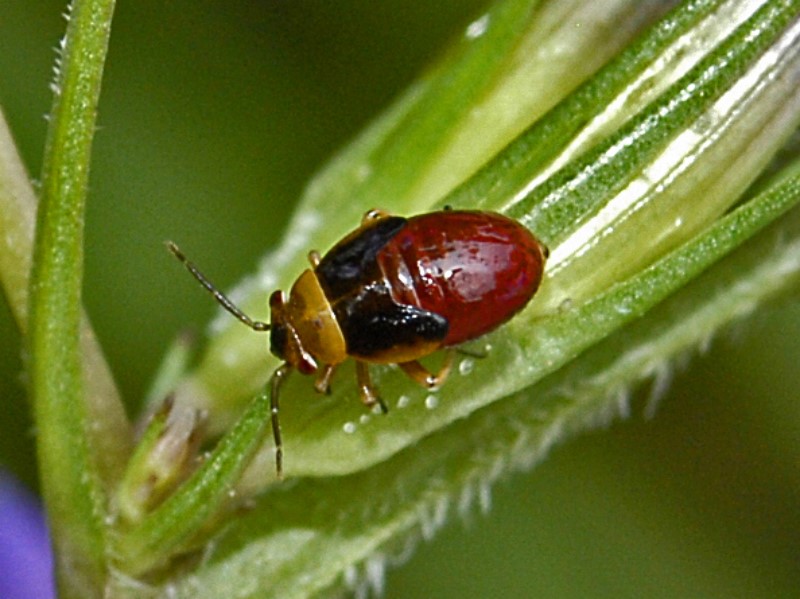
[(284, 548)]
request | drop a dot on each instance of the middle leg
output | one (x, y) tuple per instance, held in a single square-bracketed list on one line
[(369, 396)]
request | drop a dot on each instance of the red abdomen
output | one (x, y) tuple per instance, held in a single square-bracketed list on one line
[(477, 269)]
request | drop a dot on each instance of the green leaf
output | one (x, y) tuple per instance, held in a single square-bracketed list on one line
[(634, 201), (150, 542), (296, 542), (600, 104), (17, 218), (646, 178), (18, 204), (71, 468), (519, 90)]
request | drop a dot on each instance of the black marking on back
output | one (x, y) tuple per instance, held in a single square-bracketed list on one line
[(352, 262), (373, 323)]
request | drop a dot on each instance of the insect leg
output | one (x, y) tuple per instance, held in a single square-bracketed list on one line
[(277, 380), (323, 382), (418, 373), (368, 394)]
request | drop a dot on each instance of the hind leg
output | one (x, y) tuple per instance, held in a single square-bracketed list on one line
[(421, 375)]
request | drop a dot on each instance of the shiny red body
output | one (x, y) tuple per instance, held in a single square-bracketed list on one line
[(476, 269), (394, 291)]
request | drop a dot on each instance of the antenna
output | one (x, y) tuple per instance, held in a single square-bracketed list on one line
[(221, 298)]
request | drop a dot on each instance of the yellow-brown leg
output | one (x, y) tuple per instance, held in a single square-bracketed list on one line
[(368, 394), (314, 258), (418, 373), (323, 382)]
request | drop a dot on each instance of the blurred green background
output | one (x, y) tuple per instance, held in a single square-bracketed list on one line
[(213, 117)]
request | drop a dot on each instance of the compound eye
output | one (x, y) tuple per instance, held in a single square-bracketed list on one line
[(276, 301), (278, 340)]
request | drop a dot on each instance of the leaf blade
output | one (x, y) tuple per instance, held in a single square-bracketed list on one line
[(362, 516)]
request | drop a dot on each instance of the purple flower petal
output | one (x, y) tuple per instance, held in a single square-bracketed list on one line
[(26, 562)]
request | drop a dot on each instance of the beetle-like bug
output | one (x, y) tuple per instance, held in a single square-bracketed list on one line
[(393, 291)]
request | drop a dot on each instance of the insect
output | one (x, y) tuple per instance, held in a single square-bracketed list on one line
[(393, 291)]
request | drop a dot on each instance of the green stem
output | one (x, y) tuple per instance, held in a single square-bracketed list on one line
[(70, 475), (182, 515)]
